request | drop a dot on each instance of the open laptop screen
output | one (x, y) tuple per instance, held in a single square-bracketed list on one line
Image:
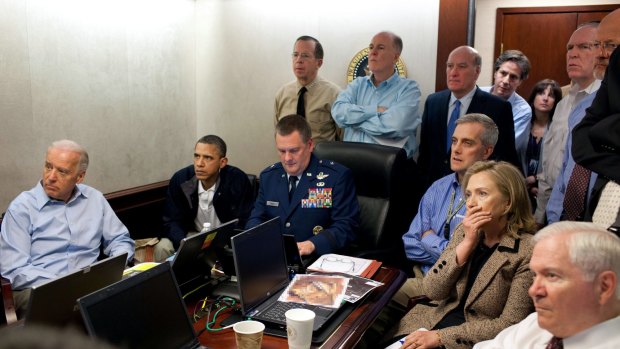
[(192, 262), (143, 311), (260, 262), (54, 303)]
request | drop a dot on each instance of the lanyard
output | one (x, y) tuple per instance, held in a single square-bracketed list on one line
[(451, 214)]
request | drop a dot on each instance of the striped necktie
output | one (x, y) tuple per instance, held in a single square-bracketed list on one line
[(555, 343)]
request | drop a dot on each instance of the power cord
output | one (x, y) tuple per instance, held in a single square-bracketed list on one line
[(216, 306)]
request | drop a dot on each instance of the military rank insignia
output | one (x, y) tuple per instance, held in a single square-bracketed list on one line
[(318, 198)]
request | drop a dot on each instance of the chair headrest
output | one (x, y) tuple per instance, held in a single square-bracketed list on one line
[(376, 168)]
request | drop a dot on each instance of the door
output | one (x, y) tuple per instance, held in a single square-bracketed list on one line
[(541, 33)]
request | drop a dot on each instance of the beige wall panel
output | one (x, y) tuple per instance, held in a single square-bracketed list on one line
[(243, 57), (116, 76)]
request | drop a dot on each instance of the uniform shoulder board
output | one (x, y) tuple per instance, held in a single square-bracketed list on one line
[(273, 167), (330, 164)]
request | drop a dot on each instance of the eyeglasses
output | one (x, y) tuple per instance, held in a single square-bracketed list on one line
[(608, 46), (586, 46), (338, 265), (303, 56)]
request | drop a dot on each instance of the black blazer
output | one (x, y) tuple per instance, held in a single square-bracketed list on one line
[(596, 139), (434, 159)]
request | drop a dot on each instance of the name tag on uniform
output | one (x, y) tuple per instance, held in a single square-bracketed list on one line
[(273, 203)]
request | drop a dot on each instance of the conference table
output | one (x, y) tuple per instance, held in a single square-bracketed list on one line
[(346, 335)]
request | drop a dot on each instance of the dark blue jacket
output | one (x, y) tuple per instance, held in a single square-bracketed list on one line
[(329, 228), (233, 199)]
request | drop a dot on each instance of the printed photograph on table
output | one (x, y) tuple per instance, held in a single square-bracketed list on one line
[(322, 290)]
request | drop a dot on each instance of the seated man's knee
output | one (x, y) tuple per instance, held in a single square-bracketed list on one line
[(162, 250)]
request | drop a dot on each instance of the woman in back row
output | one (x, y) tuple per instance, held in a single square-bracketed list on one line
[(543, 99)]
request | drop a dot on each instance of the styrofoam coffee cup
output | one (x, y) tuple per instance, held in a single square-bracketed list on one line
[(299, 324)]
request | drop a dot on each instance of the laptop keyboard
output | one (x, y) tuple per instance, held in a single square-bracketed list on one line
[(276, 312)]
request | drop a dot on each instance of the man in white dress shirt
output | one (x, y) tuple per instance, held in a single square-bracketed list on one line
[(575, 291)]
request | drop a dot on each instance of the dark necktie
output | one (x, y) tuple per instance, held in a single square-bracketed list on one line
[(452, 123), (292, 182), (555, 343), (576, 193), (301, 107)]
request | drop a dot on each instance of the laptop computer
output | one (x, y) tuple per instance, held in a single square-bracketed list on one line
[(262, 275), (143, 311), (193, 261), (55, 302)]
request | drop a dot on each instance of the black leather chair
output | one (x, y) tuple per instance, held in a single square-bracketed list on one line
[(8, 305), (254, 183), (6, 297), (387, 192)]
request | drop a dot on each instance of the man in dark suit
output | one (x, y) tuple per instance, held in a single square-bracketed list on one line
[(315, 199), (596, 140), (462, 70)]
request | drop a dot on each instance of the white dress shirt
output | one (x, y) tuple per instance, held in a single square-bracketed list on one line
[(528, 335)]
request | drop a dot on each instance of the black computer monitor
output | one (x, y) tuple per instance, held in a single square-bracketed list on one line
[(143, 311), (54, 303)]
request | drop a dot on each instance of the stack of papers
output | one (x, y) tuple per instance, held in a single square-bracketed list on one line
[(138, 268), (335, 263)]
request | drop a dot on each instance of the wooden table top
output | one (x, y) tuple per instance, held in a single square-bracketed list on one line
[(347, 335)]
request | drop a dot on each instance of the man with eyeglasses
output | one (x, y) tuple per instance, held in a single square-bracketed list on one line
[(555, 160), (607, 39), (511, 68), (309, 95), (597, 137)]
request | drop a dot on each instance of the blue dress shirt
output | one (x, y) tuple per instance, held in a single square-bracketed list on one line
[(432, 215), (355, 110), (42, 238), (521, 114), (555, 205)]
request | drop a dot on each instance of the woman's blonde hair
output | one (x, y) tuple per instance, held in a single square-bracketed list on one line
[(511, 184)]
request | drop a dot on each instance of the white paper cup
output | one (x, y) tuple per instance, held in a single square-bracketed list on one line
[(249, 334), (299, 323)]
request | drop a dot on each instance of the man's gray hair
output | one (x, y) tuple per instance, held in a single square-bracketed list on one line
[(591, 248), (70, 145), (491, 132)]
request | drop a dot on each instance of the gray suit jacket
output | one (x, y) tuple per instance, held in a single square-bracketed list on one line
[(498, 297)]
